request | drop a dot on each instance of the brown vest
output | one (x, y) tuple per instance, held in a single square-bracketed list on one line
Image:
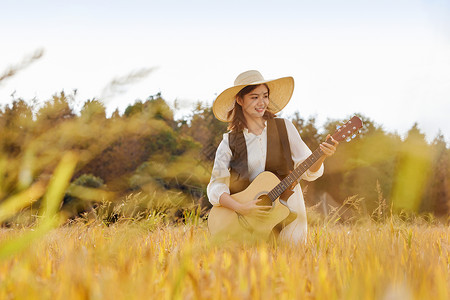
[(278, 159)]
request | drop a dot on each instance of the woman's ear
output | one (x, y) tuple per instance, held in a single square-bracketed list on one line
[(239, 100)]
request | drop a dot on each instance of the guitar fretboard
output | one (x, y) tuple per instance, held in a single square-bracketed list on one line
[(295, 174)]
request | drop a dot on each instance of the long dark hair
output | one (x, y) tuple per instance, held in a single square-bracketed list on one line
[(238, 122)]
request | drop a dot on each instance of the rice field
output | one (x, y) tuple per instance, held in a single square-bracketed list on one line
[(155, 259)]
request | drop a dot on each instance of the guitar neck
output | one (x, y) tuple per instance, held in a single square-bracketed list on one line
[(296, 173)]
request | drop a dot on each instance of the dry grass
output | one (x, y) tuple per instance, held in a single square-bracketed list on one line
[(141, 260), (144, 256)]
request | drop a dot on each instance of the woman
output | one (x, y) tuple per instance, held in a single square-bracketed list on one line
[(257, 142)]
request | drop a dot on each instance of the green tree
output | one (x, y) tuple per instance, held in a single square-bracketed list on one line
[(93, 110), (16, 127), (437, 195), (54, 112), (205, 129), (307, 129)]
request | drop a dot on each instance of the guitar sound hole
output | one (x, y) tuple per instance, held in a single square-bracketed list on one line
[(264, 200)]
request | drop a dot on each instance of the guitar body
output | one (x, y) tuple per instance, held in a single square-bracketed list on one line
[(226, 223)]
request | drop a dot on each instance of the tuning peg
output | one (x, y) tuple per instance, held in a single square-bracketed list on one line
[(353, 136), (338, 126), (348, 139)]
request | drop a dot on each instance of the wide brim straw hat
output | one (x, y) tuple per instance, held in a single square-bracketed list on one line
[(280, 92)]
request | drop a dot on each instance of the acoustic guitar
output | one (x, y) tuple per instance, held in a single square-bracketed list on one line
[(226, 223)]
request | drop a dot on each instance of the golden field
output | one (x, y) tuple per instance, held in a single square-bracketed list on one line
[(89, 209), (154, 259)]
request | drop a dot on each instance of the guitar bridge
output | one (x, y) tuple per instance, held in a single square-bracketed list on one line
[(244, 223)]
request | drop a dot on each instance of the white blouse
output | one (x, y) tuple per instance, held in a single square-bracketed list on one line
[(257, 151)]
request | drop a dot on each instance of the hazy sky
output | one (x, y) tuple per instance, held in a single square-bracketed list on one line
[(389, 60)]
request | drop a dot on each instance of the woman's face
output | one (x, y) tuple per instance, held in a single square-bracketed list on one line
[(255, 103)]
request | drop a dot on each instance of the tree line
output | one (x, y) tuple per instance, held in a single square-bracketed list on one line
[(146, 150)]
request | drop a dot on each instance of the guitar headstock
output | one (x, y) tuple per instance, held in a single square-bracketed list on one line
[(348, 130)]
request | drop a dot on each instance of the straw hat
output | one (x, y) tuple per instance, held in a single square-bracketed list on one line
[(280, 93)]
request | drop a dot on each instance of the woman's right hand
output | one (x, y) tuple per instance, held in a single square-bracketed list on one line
[(250, 208)]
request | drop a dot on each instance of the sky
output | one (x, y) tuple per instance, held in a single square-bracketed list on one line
[(387, 60)]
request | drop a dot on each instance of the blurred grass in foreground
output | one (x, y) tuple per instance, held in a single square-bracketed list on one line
[(49, 216), (153, 259)]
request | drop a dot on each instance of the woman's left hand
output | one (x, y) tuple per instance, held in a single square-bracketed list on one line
[(328, 149)]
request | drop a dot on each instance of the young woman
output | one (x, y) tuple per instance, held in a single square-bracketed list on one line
[(258, 142)]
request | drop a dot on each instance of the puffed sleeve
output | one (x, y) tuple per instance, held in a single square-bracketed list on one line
[(220, 176), (300, 152)]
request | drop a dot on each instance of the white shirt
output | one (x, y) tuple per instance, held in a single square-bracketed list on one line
[(257, 151)]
